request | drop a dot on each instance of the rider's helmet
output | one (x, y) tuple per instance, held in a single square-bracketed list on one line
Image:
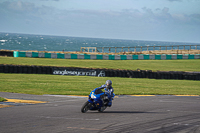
[(108, 84)]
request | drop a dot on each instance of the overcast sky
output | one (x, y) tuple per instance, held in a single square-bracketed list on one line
[(155, 20)]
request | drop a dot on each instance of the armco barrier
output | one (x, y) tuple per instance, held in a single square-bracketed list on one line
[(99, 72), (105, 57), (98, 57)]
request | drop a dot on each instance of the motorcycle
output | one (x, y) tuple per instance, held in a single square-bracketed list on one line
[(95, 101)]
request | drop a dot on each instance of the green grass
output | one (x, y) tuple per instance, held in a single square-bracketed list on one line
[(82, 85), (2, 99), (162, 65)]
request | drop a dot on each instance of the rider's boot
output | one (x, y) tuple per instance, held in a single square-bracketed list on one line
[(110, 104), (103, 106)]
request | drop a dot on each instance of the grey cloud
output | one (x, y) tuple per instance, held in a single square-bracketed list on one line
[(166, 14), (148, 10), (174, 0), (52, 20), (43, 13), (49, 0), (149, 15), (182, 0), (20, 6), (26, 13), (195, 18), (165, 10), (146, 15), (157, 9), (23, 8)]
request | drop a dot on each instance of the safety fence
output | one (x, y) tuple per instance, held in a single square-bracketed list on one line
[(105, 57), (99, 72), (139, 48)]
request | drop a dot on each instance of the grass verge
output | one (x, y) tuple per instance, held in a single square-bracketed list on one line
[(82, 85), (161, 65), (2, 99)]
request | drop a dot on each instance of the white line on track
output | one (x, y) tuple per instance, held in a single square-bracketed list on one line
[(67, 118)]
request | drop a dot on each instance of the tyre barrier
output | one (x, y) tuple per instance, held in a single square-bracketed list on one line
[(179, 75), (6, 53)]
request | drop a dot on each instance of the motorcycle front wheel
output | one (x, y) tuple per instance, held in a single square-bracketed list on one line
[(86, 106)]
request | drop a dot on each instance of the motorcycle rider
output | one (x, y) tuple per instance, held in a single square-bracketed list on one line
[(108, 91)]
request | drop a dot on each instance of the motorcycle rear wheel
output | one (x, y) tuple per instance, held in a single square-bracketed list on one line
[(102, 109), (86, 106)]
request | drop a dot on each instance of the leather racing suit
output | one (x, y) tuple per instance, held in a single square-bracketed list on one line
[(108, 92)]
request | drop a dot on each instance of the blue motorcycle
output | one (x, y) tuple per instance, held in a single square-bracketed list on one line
[(95, 101)]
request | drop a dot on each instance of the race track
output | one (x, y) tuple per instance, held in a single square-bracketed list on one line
[(150, 114)]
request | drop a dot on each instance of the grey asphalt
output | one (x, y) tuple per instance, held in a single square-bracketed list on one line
[(62, 114)]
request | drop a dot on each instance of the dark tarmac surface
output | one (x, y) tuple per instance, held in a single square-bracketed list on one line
[(156, 114)]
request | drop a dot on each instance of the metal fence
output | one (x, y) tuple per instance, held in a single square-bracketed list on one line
[(139, 48)]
